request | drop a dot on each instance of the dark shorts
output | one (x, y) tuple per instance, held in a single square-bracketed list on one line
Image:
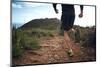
[(67, 21)]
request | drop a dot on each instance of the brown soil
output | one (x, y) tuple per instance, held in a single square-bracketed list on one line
[(53, 50)]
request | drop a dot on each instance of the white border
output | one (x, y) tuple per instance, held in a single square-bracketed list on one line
[(4, 33)]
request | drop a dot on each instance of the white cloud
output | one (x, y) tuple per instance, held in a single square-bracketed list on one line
[(16, 5), (27, 4)]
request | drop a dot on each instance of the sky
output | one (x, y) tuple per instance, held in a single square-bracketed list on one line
[(23, 12)]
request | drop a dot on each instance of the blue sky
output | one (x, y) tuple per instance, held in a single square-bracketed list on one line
[(25, 12)]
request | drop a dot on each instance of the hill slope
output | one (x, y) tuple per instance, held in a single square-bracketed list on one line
[(52, 23), (52, 48)]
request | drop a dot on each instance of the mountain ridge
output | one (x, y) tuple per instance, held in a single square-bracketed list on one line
[(42, 23)]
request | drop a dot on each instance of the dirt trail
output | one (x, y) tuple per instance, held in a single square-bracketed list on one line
[(53, 50)]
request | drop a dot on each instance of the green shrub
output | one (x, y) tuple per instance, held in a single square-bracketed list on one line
[(16, 51), (16, 45), (31, 43), (50, 34)]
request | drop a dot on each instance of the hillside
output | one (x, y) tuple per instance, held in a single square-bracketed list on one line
[(39, 42), (52, 23)]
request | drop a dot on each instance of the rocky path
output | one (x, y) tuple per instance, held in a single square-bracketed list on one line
[(53, 50)]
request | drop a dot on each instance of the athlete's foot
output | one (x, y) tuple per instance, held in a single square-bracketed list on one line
[(70, 53)]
